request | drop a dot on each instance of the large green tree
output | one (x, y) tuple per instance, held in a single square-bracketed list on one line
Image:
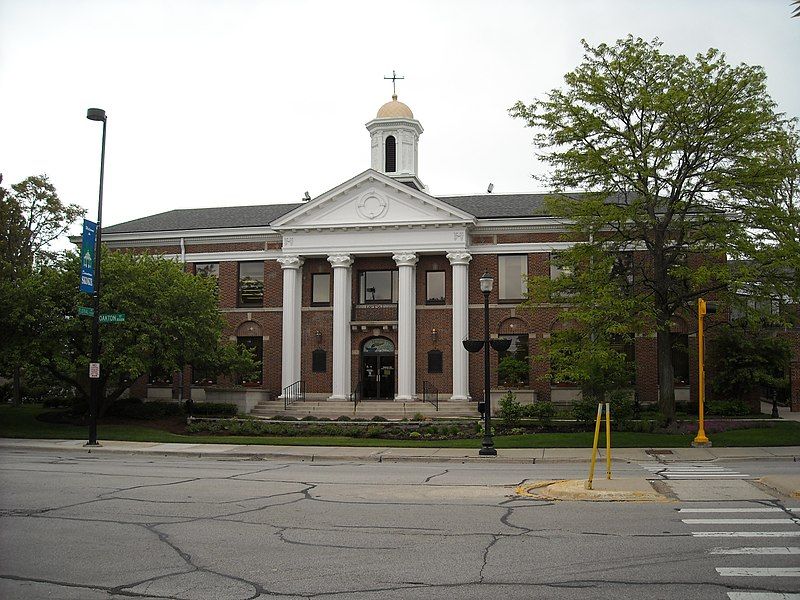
[(771, 250), (32, 217), (660, 142), (596, 323), (171, 319)]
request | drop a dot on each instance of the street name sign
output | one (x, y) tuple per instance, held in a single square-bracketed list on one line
[(112, 318), (86, 311)]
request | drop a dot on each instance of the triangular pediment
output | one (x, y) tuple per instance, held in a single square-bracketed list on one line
[(370, 200)]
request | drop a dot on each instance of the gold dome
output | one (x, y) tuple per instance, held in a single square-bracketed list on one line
[(394, 109)]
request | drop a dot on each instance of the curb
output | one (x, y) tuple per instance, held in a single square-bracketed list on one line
[(575, 490), (343, 454)]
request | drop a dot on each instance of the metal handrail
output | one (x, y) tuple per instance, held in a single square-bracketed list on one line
[(355, 395), (293, 393), (430, 394)]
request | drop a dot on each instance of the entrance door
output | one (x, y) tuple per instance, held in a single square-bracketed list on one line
[(377, 369)]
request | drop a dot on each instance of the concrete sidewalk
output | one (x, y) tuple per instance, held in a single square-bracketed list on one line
[(622, 489), (384, 454)]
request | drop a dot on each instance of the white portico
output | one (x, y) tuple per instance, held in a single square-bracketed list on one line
[(372, 216)]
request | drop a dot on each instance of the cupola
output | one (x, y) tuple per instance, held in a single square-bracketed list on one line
[(394, 134)]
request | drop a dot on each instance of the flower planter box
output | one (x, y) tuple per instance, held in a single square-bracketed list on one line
[(244, 398)]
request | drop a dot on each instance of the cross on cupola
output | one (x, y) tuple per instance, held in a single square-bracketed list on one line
[(394, 79)]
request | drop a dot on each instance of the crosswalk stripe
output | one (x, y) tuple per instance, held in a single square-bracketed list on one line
[(739, 521), (757, 550), (706, 476), (759, 571), (731, 510), (746, 533), (761, 596)]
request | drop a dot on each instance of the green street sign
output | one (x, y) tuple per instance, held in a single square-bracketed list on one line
[(86, 311), (112, 318)]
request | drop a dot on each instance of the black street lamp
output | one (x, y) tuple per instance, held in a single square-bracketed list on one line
[(96, 114), (487, 445)]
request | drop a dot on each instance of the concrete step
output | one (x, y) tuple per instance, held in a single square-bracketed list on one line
[(367, 409)]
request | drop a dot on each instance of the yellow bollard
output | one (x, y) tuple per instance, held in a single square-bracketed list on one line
[(701, 439), (608, 441), (594, 446)]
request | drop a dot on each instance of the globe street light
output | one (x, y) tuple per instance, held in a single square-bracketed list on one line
[(96, 114), (487, 445)]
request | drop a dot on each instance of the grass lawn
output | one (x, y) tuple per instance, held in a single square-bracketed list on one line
[(21, 422)]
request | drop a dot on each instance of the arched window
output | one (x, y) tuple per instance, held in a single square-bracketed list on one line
[(391, 155)]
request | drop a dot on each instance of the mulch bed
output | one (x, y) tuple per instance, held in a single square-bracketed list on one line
[(175, 424)]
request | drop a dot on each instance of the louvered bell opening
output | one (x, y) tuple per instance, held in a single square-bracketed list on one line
[(391, 155)]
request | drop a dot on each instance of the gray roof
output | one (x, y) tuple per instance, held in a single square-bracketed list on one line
[(498, 206), (205, 218), (485, 206)]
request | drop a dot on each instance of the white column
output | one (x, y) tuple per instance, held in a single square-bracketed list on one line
[(298, 325), (342, 303), (460, 263), (406, 325), (290, 335)]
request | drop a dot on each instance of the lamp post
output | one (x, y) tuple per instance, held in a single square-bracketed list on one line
[(96, 114), (487, 445)]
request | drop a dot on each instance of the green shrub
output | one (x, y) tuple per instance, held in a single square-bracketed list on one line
[(373, 431), (727, 408), (343, 418), (512, 370), (418, 416), (216, 409), (134, 408), (309, 418), (543, 411), (622, 407), (584, 410), (414, 435), (510, 410), (645, 426), (379, 418)]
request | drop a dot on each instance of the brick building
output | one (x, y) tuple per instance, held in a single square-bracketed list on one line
[(372, 286)]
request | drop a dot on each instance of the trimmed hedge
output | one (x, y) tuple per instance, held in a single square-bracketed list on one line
[(134, 408), (303, 428), (217, 409)]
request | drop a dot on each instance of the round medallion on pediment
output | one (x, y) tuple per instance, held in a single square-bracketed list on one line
[(372, 206)]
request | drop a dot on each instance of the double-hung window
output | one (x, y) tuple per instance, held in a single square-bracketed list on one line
[(251, 283), (434, 287), (378, 287), (512, 276), (320, 289)]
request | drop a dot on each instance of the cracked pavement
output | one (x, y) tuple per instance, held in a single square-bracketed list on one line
[(173, 528)]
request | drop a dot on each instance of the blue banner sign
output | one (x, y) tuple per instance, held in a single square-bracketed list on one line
[(87, 256)]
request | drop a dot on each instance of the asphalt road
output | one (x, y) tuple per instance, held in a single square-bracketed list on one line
[(91, 527)]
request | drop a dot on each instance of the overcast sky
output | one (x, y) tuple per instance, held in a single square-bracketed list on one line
[(224, 103)]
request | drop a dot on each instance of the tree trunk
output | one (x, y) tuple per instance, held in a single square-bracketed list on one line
[(666, 376), (17, 386)]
